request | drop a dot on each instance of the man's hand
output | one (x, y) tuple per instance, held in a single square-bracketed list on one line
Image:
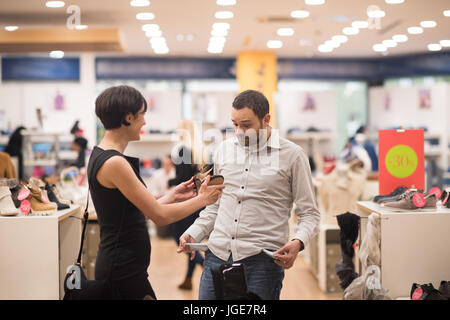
[(184, 191), (186, 238), (288, 253)]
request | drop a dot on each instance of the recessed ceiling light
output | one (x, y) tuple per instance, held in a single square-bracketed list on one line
[(153, 33), (447, 13), (161, 50), (415, 30), (428, 24), (400, 38), (150, 27), (217, 41), (158, 40), (226, 2), (360, 24), (285, 32), (434, 47), (219, 32), (221, 25), (139, 3), (81, 27), (445, 43), (389, 43), (300, 14), (333, 44), (324, 48), (340, 38), (314, 2), (55, 4), (57, 54), (11, 28), (224, 15), (145, 16), (375, 13), (274, 44), (394, 1), (379, 48), (350, 31), (215, 49)]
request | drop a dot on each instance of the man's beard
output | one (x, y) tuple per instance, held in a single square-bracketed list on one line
[(252, 137)]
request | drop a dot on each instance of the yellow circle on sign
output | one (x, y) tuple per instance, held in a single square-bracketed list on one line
[(401, 161)]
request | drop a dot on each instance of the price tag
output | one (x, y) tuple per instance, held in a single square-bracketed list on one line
[(23, 194), (419, 200), (25, 207), (417, 294), (436, 191)]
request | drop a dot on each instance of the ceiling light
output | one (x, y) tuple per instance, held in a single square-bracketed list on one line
[(332, 44), (300, 14), (314, 2), (350, 31), (158, 41), (11, 28), (434, 47), (145, 16), (324, 48), (214, 50), (400, 38), (162, 50), (394, 1), (379, 47), (224, 15), (139, 3), (447, 13), (226, 2), (221, 25), (153, 33), (81, 27), (415, 30), (57, 54), (360, 24), (428, 24), (150, 27), (55, 4), (274, 44), (217, 41), (389, 43), (340, 38), (285, 32), (445, 43), (219, 32), (375, 13)]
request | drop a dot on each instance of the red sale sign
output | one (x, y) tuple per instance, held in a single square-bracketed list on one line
[(401, 159)]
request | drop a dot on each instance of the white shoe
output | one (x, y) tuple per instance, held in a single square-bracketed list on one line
[(7, 207)]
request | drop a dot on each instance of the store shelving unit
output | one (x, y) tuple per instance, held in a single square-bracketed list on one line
[(152, 146), (36, 252)]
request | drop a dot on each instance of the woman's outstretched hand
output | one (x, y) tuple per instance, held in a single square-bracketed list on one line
[(210, 194), (184, 191)]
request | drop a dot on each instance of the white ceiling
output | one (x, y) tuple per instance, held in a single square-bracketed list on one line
[(247, 32)]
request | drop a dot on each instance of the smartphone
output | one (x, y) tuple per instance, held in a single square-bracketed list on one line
[(271, 254), (197, 246)]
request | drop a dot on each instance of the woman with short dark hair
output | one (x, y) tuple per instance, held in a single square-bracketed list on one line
[(122, 200)]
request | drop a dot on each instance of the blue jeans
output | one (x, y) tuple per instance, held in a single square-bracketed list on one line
[(264, 277)]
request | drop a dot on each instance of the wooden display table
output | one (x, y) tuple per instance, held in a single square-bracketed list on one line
[(35, 253), (414, 246)]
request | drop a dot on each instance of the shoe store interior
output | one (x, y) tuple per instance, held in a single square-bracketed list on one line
[(359, 90)]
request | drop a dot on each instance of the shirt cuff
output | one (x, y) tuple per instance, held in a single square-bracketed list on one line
[(302, 237), (195, 232)]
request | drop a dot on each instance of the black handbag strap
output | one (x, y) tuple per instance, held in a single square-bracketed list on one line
[(85, 221)]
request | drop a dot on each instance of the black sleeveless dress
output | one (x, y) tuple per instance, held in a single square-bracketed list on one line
[(124, 251)]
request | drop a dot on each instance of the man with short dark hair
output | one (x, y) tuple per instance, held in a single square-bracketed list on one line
[(264, 176)]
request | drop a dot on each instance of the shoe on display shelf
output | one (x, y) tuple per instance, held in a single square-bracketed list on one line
[(390, 197), (425, 292), (407, 200), (444, 289), (7, 207), (33, 204), (52, 197), (14, 186)]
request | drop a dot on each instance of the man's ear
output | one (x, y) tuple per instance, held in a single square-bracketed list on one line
[(266, 119)]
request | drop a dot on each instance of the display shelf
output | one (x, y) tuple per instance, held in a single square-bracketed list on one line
[(419, 253), (305, 136)]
